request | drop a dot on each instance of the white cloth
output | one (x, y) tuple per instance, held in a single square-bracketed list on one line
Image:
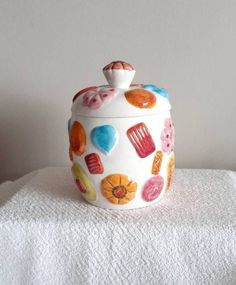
[(49, 235)]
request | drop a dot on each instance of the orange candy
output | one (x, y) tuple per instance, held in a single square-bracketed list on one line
[(156, 165), (141, 98), (118, 188), (77, 139), (170, 170)]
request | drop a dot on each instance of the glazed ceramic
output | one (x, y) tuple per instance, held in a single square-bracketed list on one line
[(121, 141)]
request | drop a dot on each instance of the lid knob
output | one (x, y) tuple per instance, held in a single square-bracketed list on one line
[(119, 74)]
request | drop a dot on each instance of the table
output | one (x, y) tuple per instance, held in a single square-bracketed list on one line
[(49, 235)]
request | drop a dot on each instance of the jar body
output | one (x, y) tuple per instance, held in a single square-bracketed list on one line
[(138, 169)]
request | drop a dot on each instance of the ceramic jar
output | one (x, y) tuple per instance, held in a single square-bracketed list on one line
[(121, 141)]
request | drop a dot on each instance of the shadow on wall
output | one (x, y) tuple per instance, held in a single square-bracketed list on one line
[(24, 137)]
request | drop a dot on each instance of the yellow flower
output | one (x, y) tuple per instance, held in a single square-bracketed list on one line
[(118, 188), (170, 170)]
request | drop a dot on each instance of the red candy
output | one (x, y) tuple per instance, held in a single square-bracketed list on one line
[(80, 185), (141, 140), (94, 163)]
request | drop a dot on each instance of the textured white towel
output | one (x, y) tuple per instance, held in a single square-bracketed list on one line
[(49, 235)]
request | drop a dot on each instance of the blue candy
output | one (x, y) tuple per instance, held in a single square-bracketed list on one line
[(161, 91), (104, 138)]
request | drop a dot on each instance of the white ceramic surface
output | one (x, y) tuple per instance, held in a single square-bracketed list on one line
[(122, 158), (119, 78)]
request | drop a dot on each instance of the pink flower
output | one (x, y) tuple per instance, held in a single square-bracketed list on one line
[(95, 98), (168, 136)]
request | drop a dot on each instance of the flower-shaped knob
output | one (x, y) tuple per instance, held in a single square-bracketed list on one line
[(119, 74)]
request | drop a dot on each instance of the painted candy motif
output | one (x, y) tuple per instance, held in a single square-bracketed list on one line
[(92, 100), (94, 163), (168, 136), (170, 170), (96, 98), (104, 138), (156, 165), (160, 91), (152, 188), (83, 91), (83, 183), (107, 94), (141, 139), (118, 188), (141, 98), (77, 138)]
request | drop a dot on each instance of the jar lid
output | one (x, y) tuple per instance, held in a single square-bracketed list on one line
[(120, 98)]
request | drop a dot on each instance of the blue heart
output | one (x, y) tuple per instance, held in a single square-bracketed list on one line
[(161, 91), (104, 138)]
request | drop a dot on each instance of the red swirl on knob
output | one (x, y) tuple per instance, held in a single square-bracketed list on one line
[(118, 65)]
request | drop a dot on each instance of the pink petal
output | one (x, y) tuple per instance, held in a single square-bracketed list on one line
[(95, 102), (167, 146), (88, 96), (107, 94), (166, 134), (168, 123)]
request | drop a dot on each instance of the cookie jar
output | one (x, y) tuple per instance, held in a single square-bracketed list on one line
[(121, 141)]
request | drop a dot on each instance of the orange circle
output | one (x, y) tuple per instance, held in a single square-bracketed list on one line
[(141, 98)]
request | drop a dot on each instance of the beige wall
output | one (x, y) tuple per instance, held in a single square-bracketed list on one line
[(50, 49)]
